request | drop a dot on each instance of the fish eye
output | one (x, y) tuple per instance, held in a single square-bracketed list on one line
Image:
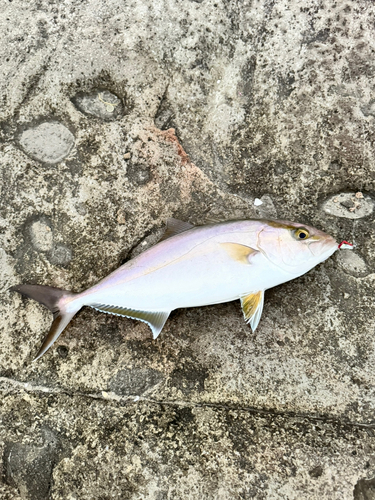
[(301, 234)]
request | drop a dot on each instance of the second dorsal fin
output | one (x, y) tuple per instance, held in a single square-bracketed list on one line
[(175, 226)]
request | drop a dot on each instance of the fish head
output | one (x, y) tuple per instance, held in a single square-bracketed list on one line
[(295, 248)]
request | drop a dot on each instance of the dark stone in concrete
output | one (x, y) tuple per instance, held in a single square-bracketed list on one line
[(100, 104), (364, 490)]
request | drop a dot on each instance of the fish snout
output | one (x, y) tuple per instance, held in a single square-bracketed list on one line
[(330, 245), (322, 244)]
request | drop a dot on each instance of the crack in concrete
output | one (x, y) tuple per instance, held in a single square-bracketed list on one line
[(112, 397), (33, 85)]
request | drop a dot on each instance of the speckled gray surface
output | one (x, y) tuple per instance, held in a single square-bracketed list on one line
[(113, 117)]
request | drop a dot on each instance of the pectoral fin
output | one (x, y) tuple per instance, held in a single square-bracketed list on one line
[(238, 252), (252, 307), (155, 320)]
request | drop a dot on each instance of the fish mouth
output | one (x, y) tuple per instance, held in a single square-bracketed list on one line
[(329, 245)]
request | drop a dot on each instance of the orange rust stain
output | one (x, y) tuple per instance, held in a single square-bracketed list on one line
[(170, 135)]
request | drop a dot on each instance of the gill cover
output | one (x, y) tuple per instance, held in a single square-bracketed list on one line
[(281, 243)]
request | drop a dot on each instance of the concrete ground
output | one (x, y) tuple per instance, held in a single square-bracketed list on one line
[(117, 115)]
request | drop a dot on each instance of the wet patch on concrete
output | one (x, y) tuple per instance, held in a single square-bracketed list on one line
[(364, 489), (135, 382), (29, 467), (100, 104), (189, 376), (48, 142)]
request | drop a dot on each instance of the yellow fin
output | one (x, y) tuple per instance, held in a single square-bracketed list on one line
[(238, 252), (155, 320), (252, 307)]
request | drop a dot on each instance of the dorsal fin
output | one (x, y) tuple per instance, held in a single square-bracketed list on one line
[(175, 226)]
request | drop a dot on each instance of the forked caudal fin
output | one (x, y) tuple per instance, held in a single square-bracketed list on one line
[(55, 300)]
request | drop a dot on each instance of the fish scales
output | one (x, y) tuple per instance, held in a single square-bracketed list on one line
[(173, 272)]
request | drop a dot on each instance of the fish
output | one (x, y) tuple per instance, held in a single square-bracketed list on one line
[(194, 266)]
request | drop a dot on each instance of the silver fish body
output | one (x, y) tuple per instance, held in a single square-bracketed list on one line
[(196, 266)]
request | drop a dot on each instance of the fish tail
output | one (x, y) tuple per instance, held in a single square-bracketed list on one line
[(59, 302)]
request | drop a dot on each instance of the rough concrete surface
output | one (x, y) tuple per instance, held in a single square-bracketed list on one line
[(117, 115)]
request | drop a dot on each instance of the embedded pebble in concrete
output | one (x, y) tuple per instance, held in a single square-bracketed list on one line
[(61, 255), (265, 207), (49, 142), (352, 263), (41, 235), (100, 103), (349, 205), (369, 109), (30, 469)]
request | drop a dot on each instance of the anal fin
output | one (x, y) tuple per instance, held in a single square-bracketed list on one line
[(252, 307), (155, 320)]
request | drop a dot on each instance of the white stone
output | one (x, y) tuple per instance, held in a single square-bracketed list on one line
[(49, 142), (352, 263), (41, 236)]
